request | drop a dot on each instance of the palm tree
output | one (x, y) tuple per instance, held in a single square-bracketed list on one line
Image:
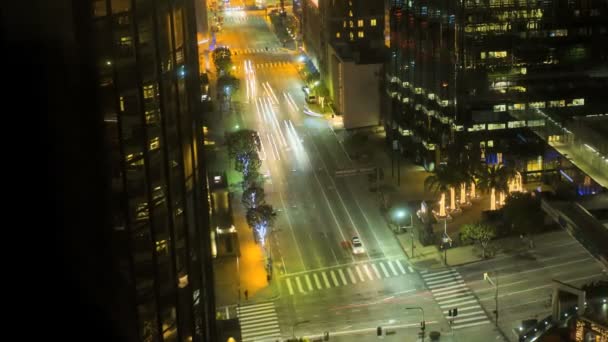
[(493, 178), (440, 181)]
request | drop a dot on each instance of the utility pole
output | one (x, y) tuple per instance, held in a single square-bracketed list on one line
[(486, 276)]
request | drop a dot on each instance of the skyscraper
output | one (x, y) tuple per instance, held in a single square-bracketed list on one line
[(481, 70), (147, 62), (119, 81)]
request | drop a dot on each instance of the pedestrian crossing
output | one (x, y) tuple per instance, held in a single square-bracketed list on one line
[(346, 275), (251, 51), (259, 322), (267, 65), (450, 292)]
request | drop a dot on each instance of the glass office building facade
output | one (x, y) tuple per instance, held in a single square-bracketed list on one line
[(486, 69), (147, 63)]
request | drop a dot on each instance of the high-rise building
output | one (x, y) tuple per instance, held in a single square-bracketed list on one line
[(356, 23), (484, 70), (119, 81), (149, 94)]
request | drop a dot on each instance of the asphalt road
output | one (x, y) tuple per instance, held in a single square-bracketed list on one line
[(321, 281)]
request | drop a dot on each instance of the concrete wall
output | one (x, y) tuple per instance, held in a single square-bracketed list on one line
[(354, 89)]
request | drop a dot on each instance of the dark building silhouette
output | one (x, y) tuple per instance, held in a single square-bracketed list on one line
[(118, 80)]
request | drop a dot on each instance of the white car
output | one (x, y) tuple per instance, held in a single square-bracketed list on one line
[(357, 246)]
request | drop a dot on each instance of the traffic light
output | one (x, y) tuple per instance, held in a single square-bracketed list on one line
[(379, 331), (455, 312), (422, 325)]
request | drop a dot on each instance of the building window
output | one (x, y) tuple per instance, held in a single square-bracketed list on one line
[(482, 55), (99, 8), (497, 54), (493, 126), (500, 108), (126, 41), (162, 247), (350, 13), (360, 23), (122, 104), (360, 34), (149, 91), (344, 23), (516, 124), (558, 33), (350, 23), (351, 35), (519, 106), (557, 103), (337, 34), (372, 22), (578, 102), (154, 143), (490, 143), (536, 104)]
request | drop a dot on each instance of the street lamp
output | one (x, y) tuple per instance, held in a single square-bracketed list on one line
[(422, 323), (293, 327), (400, 214), (486, 276)]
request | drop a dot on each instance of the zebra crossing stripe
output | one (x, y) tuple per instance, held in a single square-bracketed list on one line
[(300, 285), (441, 278), (469, 313), (464, 308), (410, 269), (444, 281), (289, 286), (343, 277), (457, 300), (459, 282), (434, 273), (456, 327), (334, 278), (359, 273), (459, 292), (376, 271), (308, 283), (325, 280), (400, 267), (458, 303), (441, 292), (457, 320), (368, 272), (351, 276), (390, 264), (317, 282), (384, 270)]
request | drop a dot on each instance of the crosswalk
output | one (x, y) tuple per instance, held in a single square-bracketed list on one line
[(279, 64), (250, 51), (450, 292), (346, 275), (259, 322)]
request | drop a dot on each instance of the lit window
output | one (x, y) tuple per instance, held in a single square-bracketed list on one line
[(350, 13), (497, 54), (490, 143), (482, 55), (122, 104), (149, 91), (150, 116), (344, 23), (350, 23), (524, 71), (360, 23), (352, 37), (500, 108), (125, 41), (516, 124), (337, 34), (558, 33), (360, 34), (161, 247), (557, 103), (519, 106), (537, 105), (372, 22), (493, 126), (154, 143), (578, 102)]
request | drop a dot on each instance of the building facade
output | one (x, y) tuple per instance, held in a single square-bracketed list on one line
[(484, 71), (149, 93), (357, 23)]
